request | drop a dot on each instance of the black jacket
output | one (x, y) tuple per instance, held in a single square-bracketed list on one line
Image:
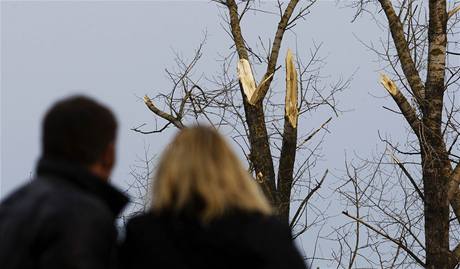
[(63, 219), (238, 240)]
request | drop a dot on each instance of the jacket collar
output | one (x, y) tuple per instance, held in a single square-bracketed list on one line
[(79, 177)]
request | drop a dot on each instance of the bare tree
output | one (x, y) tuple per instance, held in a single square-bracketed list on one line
[(261, 125), (410, 208)]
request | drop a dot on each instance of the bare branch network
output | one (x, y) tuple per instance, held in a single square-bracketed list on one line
[(402, 207)]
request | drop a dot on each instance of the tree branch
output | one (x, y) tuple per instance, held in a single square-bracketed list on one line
[(437, 45), (454, 181), (271, 66), (289, 144), (260, 155), (453, 192), (409, 176), (236, 30), (456, 253), (397, 242), (453, 11), (138, 130), (291, 111), (176, 122), (407, 64), (407, 110), (302, 205), (314, 132)]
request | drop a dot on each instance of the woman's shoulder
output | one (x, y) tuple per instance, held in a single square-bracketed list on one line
[(147, 227), (252, 218), (253, 224), (268, 237), (236, 222), (234, 217), (141, 219), (148, 220), (149, 235)]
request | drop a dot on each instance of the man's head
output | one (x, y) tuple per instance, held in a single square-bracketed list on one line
[(82, 131)]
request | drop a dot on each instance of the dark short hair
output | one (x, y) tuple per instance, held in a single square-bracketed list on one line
[(77, 129)]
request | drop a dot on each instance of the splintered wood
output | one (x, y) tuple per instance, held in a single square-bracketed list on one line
[(247, 79), (291, 90), (252, 92), (389, 85)]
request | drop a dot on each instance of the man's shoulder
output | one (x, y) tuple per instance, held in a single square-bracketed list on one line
[(68, 201), (49, 197), (26, 197)]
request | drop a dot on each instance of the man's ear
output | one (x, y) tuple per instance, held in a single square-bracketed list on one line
[(108, 158), (107, 161), (103, 167)]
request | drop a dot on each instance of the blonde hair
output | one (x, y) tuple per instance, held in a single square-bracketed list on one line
[(199, 164)]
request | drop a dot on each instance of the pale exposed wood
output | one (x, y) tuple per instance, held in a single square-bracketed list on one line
[(389, 85), (149, 103), (246, 78), (407, 63), (291, 109), (407, 110), (260, 177), (258, 94), (289, 144)]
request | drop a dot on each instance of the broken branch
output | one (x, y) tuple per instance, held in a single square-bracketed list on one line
[(407, 110), (291, 110), (149, 103)]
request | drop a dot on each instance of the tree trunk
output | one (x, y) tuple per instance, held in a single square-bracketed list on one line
[(435, 162), (260, 149), (286, 168), (435, 181)]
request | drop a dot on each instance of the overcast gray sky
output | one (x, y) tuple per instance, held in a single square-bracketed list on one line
[(117, 51)]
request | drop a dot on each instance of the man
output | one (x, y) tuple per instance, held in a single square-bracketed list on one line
[(64, 218)]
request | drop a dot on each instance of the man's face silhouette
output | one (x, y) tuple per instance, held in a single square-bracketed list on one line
[(104, 166)]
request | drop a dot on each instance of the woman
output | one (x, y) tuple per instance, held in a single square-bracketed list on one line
[(207, 212)]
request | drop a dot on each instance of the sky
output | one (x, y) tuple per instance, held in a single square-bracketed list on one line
[(117, 51)]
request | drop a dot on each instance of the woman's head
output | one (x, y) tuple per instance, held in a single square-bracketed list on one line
[(198, 164)]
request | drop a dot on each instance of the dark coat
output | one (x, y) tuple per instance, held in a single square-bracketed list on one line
[(238, 240), (63, 219)]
